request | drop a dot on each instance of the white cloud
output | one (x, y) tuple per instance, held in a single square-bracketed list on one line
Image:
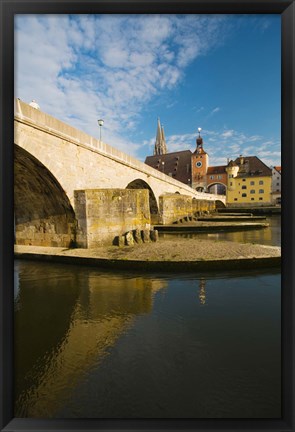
[(229, 144), (215, 110), (80, 68), (227, 134)]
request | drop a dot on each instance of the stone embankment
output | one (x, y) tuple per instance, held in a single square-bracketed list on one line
[(212, 226), (271, 210), (164, 255), (214, 222)]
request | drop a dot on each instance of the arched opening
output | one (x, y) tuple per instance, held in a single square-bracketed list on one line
[(219, 204), (217, 189), (42, 211), (154, 210)]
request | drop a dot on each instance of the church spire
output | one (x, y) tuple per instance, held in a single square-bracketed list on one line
[(160, 144)]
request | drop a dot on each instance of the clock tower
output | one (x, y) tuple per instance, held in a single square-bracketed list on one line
[(199, 163)]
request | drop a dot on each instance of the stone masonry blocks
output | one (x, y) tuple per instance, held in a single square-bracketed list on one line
[(174, 207), (103, 214)]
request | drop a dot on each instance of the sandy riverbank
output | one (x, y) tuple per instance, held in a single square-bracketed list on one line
[(168, 254)]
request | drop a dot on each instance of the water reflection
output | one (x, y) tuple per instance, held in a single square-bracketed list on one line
[(83, 314), (202, 291), (97, 344), (267, 236)]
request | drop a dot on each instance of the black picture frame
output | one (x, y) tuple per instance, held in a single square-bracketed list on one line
[(8, 10)]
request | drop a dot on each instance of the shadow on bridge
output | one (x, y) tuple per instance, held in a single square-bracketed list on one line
[(43, 212), (154, 209)]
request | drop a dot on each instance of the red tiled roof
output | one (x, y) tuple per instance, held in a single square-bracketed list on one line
[(252, 165), (216, 170)]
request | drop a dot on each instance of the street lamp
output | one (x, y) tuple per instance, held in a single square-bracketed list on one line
[(163, 163), (100, 124)]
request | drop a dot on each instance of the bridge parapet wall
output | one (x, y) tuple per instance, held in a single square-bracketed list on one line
[(69, 162)]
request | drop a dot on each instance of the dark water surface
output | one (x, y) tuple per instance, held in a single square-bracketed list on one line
[(91, 343)]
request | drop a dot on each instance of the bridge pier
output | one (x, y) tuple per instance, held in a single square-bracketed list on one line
[(103, 214), (175, 206)]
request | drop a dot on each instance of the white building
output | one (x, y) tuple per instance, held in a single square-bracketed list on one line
[(276, 185)]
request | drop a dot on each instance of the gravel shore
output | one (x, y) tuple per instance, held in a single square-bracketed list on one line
[(166, 252)]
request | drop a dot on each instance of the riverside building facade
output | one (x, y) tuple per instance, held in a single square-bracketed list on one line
[(276, 185), (249, 182)]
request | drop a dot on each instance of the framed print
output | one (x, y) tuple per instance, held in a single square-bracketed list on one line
[(147, 207)]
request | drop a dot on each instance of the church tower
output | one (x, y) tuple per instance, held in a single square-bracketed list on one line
[(200, 163), (160, 144)]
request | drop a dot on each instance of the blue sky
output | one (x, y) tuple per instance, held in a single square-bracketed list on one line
[(218, 72)]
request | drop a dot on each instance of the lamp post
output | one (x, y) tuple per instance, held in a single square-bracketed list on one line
[(163, 166), (100, 124)]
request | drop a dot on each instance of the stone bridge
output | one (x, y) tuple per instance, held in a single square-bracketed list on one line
[(70, 188)]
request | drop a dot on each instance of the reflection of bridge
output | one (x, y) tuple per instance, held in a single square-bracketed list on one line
[(57, 165), (87, 323)]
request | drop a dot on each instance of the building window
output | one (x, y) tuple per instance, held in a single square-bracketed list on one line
[(260, 199), (260, 182), (252, 199), (252, 191), (244, 187), (244, 179), (252, 183), (231, 183), (230, 176), (278, 178), (244, 195), (219, 177), (261, 191), (278, 184), (236, 199), (211, 177)]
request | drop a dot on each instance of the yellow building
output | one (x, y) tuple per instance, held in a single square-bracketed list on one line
[(249, 182)]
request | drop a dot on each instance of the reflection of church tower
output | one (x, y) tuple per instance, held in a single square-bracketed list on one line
[(160, 144), (200, 163), (202, 291)]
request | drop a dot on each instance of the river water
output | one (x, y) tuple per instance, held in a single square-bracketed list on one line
[(97, 344)]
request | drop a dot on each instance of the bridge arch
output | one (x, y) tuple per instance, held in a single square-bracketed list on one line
[(43, 215), (217, 188), (219, 204), (154, 209)]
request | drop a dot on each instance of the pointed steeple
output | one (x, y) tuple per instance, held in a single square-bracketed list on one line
[(160, 144)]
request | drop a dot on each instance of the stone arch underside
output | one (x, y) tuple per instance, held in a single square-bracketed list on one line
[(219, 204), (221, 188), (42, 211), (154, 209)]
